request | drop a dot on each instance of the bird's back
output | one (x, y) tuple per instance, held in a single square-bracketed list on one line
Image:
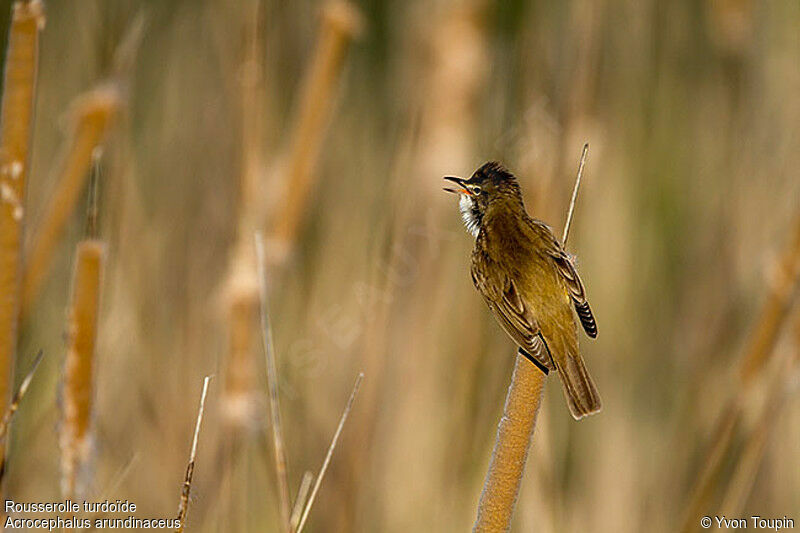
[(520, 248)]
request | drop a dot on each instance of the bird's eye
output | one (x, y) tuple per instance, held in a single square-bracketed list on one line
[(476, 190)]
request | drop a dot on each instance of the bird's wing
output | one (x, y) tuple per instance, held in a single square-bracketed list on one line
[(576, 291), (502, 297)]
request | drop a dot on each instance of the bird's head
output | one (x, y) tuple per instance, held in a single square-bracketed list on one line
[(488, 186)]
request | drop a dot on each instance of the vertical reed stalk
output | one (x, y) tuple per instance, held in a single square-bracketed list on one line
[(16, 118), (93, 114), (341, 22), (514, 437), (239, 399), (252, 120), (75, 438)]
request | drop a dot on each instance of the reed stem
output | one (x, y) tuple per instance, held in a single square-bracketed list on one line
[(514, 437), (16, 125)]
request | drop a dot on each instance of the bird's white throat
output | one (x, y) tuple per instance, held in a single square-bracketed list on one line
[(470, 214)]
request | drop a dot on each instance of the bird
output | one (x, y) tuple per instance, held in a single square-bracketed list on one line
[(528, 280)]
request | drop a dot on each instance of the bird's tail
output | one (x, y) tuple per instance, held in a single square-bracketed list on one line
[(579, 389)]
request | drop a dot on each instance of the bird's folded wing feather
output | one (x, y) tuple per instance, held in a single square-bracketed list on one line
[(502, 297), (576, 290)]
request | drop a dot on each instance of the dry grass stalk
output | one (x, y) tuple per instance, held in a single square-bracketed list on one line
[(92, 115), (514, 436), (79, 365), (516, 427), (183, 506), (15, 401), (16, 114), (341, 22), (300, 499), (328, 455), (760, 348), (272, 383), (574, 198)]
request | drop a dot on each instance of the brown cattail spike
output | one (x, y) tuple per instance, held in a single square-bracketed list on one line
[(19, 85), (341, 22), (93, 114), (79, 365)]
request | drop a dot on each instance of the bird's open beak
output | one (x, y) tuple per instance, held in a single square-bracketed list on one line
[(462, 189)]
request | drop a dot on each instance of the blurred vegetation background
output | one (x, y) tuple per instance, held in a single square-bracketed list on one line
[(692, 113)]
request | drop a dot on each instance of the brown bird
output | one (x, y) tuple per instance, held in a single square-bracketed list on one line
[(528, 280)]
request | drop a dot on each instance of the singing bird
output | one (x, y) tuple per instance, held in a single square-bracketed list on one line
[(528, 280)]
